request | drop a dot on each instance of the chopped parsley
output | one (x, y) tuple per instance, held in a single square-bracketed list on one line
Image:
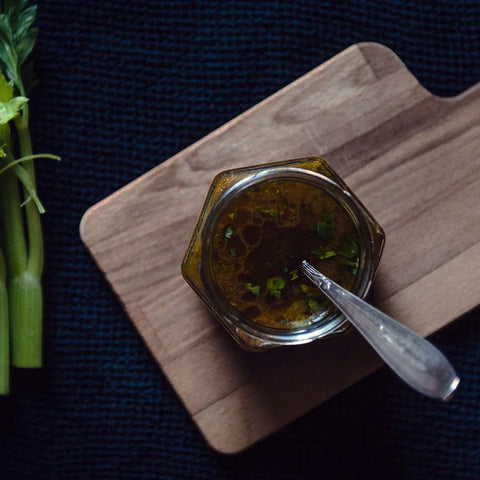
[(228, 232), (312, 297), (325, 226), (272, 213), (255, 289), (348, 247), (323, 255), (274, 286), (309, 290), (314, 305)]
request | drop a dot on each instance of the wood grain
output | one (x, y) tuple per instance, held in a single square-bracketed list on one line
[(414, 161)]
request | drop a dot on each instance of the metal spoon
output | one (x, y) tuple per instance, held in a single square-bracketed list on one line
[(411, 357)]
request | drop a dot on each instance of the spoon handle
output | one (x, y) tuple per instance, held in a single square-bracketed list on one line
[(411, 357)]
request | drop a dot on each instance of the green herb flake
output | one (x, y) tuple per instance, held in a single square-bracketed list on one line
[(309, 290), (228, 232), (293, 275), (233, 252), (348, 247), (323, 255), (284, 321), (285, 269), (255, 289), (323, 230), (305, 288), (274, 286), (354, 270), (271, 212), (312, 297), (314, 305), (325, 225)]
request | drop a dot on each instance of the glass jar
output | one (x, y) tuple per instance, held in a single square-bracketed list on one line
[(227, 186)]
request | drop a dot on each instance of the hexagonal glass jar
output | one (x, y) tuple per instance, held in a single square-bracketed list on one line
[(228, 185)]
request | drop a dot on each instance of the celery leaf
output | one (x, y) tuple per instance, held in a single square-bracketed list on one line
[(17, 37), (9, 110)]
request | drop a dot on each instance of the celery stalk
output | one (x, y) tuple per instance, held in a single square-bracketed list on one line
[(34, 225), (4, 332), (26, 321), (13, 231), (26, 294)]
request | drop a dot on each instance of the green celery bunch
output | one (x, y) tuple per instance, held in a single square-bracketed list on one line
[(22, 252)]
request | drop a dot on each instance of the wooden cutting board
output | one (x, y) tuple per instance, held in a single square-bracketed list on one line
[(412, 158)]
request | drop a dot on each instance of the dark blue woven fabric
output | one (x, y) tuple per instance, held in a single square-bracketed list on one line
[(126, 84)]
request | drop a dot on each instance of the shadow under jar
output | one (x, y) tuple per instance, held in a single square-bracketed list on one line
[(256, 226)]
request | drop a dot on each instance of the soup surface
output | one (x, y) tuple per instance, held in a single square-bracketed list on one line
[(262, 238)]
